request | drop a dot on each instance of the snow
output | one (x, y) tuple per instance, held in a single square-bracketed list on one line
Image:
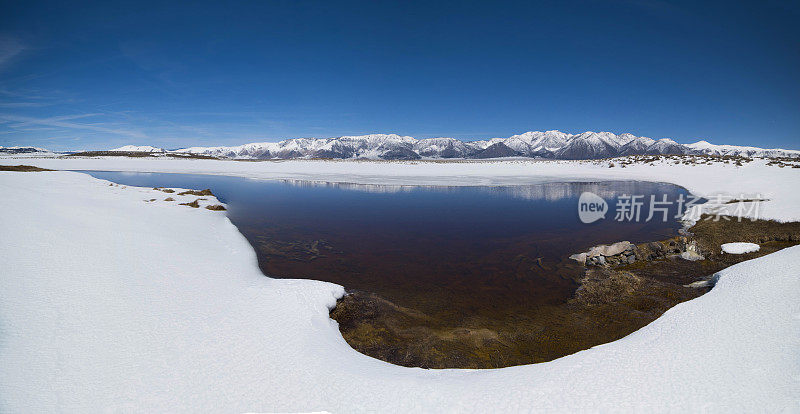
[(740, 248), (26, 151), (719, 182), (713, 149), (701, 145), (138, 148), (27, 155), (548, 144), (111, 303), (363, 146), (24, 147), (641, 143)]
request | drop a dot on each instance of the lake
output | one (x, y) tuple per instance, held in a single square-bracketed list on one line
[(456, 254)]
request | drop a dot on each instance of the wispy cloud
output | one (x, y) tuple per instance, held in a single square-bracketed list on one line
[(43, 121), (23, 104), (64, 122), (10, 47), (20, 98), (4, 91)]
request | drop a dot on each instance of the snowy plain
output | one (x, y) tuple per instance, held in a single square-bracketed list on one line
[(111, 303)]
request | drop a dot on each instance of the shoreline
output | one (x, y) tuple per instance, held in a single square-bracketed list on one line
[(700, 179), (611, 301)]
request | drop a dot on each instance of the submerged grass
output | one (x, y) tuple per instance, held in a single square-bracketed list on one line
[(608, 304)]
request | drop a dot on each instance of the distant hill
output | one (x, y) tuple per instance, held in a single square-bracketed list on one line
[(21, 150)]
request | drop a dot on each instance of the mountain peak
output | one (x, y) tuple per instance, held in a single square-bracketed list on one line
[(700, 144)]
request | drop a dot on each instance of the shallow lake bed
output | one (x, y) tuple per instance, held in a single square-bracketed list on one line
[(444, 276)]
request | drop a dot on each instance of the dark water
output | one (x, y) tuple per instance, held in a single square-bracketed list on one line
[(455, 252)]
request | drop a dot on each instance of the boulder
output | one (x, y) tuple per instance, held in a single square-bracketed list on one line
[(691, 252), (580, 257)]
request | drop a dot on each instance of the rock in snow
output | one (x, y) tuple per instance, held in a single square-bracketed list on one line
[(740, 248), (110, 303)]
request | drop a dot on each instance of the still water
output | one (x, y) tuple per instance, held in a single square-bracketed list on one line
[(456, 252)]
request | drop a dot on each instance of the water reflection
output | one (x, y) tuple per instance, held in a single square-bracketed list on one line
[(543, 191)]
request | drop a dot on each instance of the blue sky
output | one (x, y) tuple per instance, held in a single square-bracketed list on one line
[(99, 75)]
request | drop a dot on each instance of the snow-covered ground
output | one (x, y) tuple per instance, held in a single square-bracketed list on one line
[(111, 303), (718, 182)]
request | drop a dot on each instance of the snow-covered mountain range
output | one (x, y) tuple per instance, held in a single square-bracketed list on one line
[(548, 144), (711, 149), (20, 150)]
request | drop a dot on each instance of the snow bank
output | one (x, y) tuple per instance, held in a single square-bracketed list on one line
[(740, 248), (111, 303), (717, 182)]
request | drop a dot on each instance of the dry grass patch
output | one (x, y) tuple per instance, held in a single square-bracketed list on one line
[(193, 204), (206, 192), (22, 168)]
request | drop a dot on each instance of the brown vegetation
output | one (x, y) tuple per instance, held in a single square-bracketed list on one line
[(611, 301), (22, 168), (206, 192), (193, 204)]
